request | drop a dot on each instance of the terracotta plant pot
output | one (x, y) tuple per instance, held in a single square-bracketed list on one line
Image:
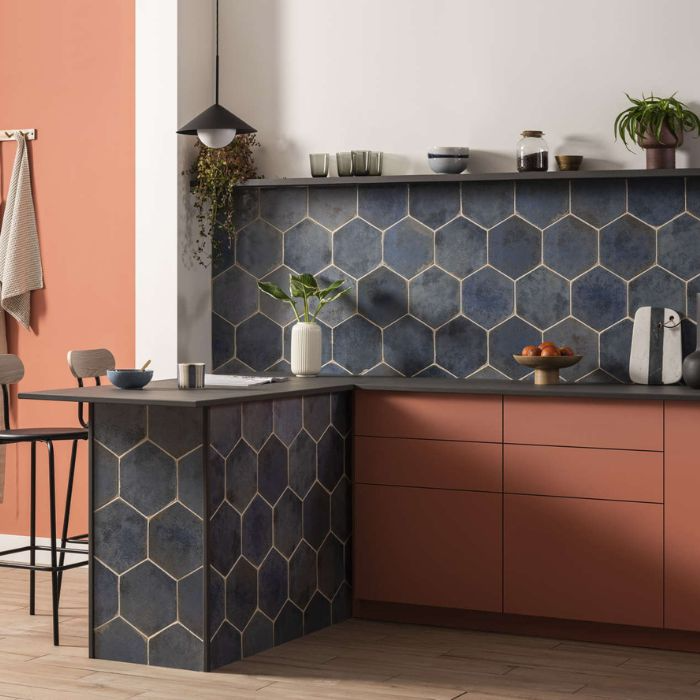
[(661, 153)]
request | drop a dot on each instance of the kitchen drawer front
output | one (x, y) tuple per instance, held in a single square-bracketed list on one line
[(429, 416), (619, 475), (427, 547), (617, 424), (581, 559), (471, 466)]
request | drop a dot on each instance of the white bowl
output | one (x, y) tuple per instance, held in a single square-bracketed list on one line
[(448, 160)]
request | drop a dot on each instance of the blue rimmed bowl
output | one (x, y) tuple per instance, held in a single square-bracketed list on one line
[(130, 378)]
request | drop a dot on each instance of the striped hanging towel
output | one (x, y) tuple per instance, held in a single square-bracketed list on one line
[(20, 259)]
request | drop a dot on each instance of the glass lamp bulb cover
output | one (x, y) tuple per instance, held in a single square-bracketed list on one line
[(216, 138)]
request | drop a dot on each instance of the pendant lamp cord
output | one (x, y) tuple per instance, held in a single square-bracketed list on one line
[(217, 53)]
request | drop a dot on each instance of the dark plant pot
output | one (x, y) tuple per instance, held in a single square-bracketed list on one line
[(661, 153), (691, 364)]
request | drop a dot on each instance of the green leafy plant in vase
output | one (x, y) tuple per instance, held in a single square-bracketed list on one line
[(658, 125), (306, 333)]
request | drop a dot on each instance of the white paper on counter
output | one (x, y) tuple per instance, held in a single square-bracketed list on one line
[(237, 380)]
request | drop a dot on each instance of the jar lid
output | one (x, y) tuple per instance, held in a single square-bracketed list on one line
[(535, 134)]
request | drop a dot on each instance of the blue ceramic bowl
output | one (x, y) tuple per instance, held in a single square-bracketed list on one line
[(130, 378)]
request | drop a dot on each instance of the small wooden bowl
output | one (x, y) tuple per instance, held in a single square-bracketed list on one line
[(569, 162), (547, 368)]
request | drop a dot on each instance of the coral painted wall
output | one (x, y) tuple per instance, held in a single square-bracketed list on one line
[(67, 69)]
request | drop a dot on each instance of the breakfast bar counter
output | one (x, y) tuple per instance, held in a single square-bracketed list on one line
[(222, 520)]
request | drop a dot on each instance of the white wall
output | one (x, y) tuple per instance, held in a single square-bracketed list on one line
[(174, 81), (403, 75)]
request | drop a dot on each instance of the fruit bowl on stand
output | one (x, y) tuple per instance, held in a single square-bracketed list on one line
[(547, 368)]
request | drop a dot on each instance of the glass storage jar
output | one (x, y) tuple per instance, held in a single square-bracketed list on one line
[(532, 152)]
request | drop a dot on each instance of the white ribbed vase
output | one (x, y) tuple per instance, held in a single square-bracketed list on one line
[(306, 349)]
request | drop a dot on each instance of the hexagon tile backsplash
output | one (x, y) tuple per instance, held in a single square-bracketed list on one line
[(450, 279)]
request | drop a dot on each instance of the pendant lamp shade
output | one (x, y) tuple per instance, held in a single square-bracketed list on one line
[(216, 127)]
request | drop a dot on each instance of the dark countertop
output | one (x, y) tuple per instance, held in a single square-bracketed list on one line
[(166, 393)]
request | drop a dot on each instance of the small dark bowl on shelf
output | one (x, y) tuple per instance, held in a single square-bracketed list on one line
[(130, 378), (569, 162)]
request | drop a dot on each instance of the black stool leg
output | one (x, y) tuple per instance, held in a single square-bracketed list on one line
[(66, 514), (54, 560), (32, 533)]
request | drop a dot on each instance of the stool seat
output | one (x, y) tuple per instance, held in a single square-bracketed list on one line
[(39, 434)]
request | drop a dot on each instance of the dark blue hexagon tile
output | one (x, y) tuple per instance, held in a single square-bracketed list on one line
[(224, 538), (190, 592), (598, 201), (692, 195), (289, 624), (583, 340), (434, 297), (408, 346), (257, 422), (302, 463), (599, 298), (679, 246), (542, 298), (283, 206), (241, 476), (615, 344), (216, 475), (627, 247), (138, 589), (460, 247), (460, 347), (223, 341), (257, 530), (332, 206), (120, 536), (656, 200), (357, 344), (317, 414), (259, 248), (175, 430), (508, 339), (542, 202), (357, 248), (515, 247), (287, 417), (286, 523), (382, 205), (693, 290), (341, 516), (656, 287), (259, 342), (317, 615), (487, 297), (331, 567), (382, 296), (119, 641), (105, 475), (235, 295), (434, 204), (273, 584), (118, 426), (272, 470), (408, 247), (225, 646), (487, 203), (303, 576), (317, 509), (106, 604), (241, 594), (224, 428), (307, 247), (331, 458), (570, 247), (176, 647), (175, 540), (258, 635)]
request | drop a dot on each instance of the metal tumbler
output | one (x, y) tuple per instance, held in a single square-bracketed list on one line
[(190, 375)]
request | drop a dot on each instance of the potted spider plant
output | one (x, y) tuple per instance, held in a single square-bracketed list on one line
[(306, 333), (658, 125)]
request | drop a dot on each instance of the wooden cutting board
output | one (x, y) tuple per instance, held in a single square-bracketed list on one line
[(656, 356)]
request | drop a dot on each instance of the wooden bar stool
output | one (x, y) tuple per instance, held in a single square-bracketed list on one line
[(11, 372)]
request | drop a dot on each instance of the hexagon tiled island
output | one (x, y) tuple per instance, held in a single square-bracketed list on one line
[(208, 523)]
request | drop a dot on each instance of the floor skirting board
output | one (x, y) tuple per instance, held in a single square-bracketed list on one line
[(14, 541)]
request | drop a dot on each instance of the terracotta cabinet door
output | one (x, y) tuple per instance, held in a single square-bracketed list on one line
[(584, 559), (428, 547), (682, 480)]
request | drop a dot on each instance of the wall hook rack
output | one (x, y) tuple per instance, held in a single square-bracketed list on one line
[(9, 134)]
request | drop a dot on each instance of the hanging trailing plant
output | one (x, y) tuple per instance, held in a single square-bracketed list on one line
[(214, 175)]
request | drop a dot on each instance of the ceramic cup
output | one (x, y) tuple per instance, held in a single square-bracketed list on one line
[(190, 375)]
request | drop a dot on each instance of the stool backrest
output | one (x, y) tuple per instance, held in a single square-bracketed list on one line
[(86, 364), (11, 371)]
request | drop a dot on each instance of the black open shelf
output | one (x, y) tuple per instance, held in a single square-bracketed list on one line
[(466, 177)]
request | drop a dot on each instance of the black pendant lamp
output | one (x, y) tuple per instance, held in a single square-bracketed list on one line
[(216, 127)]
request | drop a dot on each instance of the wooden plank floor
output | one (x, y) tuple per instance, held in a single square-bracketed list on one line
[(357, 659)]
